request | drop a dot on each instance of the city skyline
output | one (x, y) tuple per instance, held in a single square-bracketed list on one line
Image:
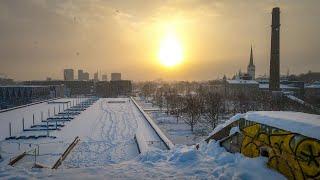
[(53, 36)]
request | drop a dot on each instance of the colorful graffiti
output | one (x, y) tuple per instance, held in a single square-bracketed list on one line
[(294, 155)]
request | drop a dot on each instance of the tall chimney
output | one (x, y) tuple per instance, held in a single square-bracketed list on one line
[(274, 82)]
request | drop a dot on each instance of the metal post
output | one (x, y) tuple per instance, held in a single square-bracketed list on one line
[(48, 113), (10, 129), (23, 124), (56, 124), (33, 119), (35, 155), (59, 107), (54, 110), (41, 116), (47, 128)]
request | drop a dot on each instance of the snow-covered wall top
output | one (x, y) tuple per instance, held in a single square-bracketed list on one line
[(296, 122), (168, 143)]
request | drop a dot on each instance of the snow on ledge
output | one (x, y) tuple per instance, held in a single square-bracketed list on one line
[(296, 122), (161, 135), (295, 99)]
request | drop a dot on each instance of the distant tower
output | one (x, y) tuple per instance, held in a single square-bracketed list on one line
[(251, 67), (96, 76), (274, 82)]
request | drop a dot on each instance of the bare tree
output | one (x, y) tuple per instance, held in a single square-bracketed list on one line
[(159, 98), (192, 110), (148, 89), (213, 107)]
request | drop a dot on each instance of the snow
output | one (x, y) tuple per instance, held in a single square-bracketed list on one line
[(234, 130), (282, 86), (226, 123), (143, 146), (107, 150), (297, 122), (106, 131), (315, 85), (241, 81), (15, 117), (178, 131), (182, 162), (295, 99), (164, 138)]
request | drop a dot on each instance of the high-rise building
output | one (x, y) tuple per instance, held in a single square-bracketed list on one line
[(68, 75), (274, 82), (80, 75), (251, 69), (86, 76), (115, 76), (96, 76), (104, 77)]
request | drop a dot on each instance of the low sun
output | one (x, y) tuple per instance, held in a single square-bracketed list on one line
[(170, 52)]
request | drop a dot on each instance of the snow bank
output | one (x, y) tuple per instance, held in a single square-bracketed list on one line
[(182, 162)]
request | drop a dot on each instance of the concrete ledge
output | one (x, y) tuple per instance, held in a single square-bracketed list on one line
[(155, 127)]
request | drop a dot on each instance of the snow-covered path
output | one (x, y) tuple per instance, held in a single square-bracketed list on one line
[(107, 134), (106, 130)]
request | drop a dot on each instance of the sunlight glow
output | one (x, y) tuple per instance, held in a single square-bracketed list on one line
[(170, 52)]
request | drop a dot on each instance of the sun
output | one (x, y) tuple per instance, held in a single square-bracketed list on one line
[(170, 52)]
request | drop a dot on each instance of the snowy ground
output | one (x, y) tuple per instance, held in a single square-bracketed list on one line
[(106, 131), (182, 162), (107, 150), (177, 131)]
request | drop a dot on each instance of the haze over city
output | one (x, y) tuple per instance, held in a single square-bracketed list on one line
[(41, 38), (163, 89)]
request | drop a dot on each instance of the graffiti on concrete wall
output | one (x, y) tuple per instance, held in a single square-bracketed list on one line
[(294, 155)]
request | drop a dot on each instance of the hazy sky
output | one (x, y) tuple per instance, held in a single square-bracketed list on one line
[(39, 38)]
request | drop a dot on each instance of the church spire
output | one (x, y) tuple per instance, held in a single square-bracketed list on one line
[(251, 57)]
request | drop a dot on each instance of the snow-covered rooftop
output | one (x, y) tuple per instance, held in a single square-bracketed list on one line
[(313, 85), (241, 81), (282, 86)]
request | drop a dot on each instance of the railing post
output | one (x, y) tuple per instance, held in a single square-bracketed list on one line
[(23, 124), (10, 129), (47, 128), (33, 119)]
